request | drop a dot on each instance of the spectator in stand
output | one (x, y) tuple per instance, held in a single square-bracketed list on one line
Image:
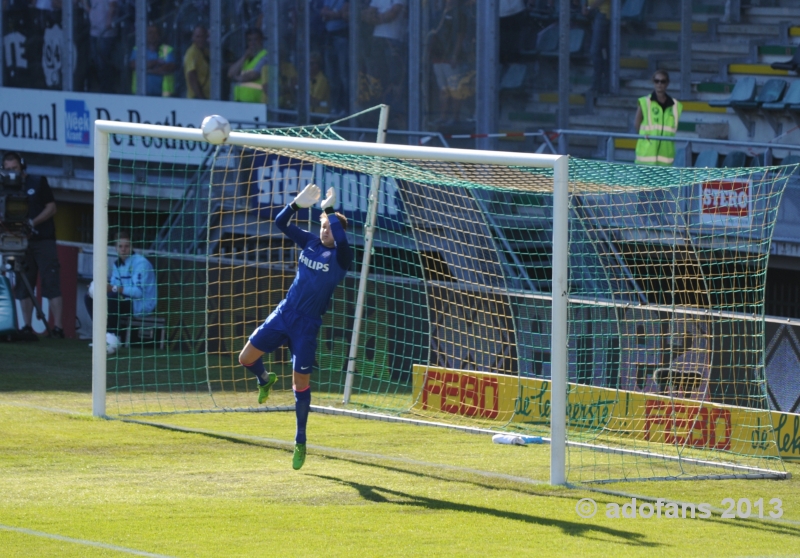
[(388, 50), (247, 70), (287, 84), (131, 289), (512, 20), (161, 66), (336, 14), (320, 91), (657, 115), (598, 11), (41, 257), (451, 46), (196, 67), (316, 26), (103, 37)]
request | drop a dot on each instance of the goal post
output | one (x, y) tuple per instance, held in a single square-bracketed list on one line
[(369, 236), (558, 163), (615, 310)]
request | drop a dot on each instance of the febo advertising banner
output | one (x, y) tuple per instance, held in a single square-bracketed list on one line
[(276, 180), (62, 123), (633, 415)]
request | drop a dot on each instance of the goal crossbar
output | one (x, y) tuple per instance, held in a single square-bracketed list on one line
[(560, 244)]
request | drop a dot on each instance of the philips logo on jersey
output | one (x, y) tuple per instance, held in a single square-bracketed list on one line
[(312, 264)]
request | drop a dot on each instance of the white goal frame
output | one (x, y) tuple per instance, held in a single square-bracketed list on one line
[(560, 256)]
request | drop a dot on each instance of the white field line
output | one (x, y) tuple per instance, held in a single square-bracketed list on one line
[(45, 409), (83, 542)]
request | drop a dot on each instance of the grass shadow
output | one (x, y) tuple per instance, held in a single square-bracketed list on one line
[(377, 494)]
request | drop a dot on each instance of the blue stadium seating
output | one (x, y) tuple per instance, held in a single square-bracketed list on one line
[(680, 157), (734, 159), (744, 90), (771, 92), (547, 45), (792, 97), (632, 12), (707, 159), (758, 160)]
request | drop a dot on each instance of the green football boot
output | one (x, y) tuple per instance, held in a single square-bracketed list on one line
[(299, 456), (263, 391)]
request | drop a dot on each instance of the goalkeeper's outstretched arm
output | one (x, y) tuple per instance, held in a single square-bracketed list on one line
[(304, 199), (295, 233)]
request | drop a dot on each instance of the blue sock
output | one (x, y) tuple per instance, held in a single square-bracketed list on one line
[(257, 368), (302, 404)]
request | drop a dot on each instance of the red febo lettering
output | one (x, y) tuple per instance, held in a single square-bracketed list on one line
[(678, 421), (462, 394)]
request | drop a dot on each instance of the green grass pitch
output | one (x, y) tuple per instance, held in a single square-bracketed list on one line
[(73, 485)]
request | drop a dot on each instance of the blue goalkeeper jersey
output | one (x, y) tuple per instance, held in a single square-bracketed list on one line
[(319, 269)]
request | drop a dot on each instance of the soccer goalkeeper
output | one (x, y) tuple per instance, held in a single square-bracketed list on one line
[(296, 321)]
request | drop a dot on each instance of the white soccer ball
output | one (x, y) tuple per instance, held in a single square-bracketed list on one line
[(112, 343), (216, 129)]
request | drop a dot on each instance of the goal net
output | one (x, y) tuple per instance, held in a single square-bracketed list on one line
[(660, 368)]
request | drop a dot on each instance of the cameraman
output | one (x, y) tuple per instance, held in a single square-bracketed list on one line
[(42, 256)]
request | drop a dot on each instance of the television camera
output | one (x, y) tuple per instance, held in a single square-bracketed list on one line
[(14, 224), (15, 228)]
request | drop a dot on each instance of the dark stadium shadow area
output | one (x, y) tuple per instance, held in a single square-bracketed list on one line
[(66, 365), (46, 365), (378, 494)]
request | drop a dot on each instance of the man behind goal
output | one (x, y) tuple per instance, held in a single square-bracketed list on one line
[(295, 322)]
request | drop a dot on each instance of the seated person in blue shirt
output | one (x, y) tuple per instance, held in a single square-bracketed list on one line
[(323, 264), (131, 289)]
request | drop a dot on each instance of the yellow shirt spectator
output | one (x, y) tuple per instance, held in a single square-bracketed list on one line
[(320, 94), (196, 60), (195, 66), (287, 85)]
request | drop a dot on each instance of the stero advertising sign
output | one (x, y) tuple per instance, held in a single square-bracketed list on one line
[(726, 202), (62, 123)]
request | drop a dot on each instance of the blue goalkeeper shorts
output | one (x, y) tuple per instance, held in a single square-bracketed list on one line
[(286, 326)]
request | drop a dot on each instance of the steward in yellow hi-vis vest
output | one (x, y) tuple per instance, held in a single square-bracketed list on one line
[(657, 115), (246, 72), (250, 91)]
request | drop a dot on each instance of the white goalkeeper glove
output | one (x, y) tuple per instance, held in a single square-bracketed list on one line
[(329, 201), (307, 197)]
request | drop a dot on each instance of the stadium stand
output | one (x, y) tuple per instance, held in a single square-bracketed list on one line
[(707, 159), (771, 92), (792, 97), (791, 65), (680, 157), (759, 160), (744, 90), (734, 159), (632, 12)]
